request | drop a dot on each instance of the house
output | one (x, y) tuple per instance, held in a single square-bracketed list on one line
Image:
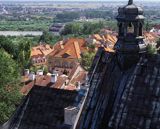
[(60, 78), (108, 40), (156, 30), (68, 55), (39, 54)]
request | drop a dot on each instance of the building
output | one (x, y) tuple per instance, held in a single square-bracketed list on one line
[(52, 101), (57, 28), (60, 78), (156, 30), (124, 85), (108, 39), (68, 55), (39, 54), (47, 108)]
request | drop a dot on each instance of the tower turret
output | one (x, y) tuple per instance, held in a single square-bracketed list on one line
[(130, 42)]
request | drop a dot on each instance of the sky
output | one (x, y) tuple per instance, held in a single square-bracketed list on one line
[(78, 0)]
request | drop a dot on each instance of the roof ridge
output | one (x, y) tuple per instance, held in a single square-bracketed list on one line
[(77, 48)]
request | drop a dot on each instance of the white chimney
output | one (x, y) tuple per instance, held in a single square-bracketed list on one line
[(70, 114), (26, 72), (32, 76), (54, 77), (40, 72), (78, 85)]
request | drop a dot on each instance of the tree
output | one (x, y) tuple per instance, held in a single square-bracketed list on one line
[(87, 59), (151, 49), (158, 45), (9, 90), (7, 45), (24, 52), (47, 37), (147, 26)]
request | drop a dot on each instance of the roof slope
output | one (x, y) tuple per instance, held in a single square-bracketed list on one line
[(73, 47), (122, 99), (43, 108)]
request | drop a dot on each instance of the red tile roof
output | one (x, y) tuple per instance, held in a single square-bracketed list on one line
[(41, 50), (73, 47)]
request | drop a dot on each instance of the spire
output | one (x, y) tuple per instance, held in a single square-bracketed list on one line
[(130, 2)]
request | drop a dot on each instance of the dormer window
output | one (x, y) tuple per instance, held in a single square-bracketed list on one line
[(65, 55)]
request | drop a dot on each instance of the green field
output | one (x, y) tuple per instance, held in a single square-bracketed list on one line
[(36, 25)]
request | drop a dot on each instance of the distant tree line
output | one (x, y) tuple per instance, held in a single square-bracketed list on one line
[(85, 28), (105, 14), (89, 14)]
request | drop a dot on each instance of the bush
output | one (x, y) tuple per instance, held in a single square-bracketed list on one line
[(151, 49)]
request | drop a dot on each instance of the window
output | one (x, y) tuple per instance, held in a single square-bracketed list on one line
[(130, 28), (140, 29), (120, 29)]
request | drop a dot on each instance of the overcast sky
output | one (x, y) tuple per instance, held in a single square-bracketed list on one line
[(86, 0), (78, 0)]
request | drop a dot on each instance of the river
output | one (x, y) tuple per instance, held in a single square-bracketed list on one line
[(21, 33)]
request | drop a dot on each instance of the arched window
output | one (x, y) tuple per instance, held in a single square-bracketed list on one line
[(120, 29), (140, 29), (130, 28)]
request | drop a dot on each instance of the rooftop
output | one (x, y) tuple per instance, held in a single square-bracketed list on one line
[(72, 48), (43, 108), (121, 99), (41, 50)]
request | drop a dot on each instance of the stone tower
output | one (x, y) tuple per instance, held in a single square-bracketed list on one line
[(130, 42)]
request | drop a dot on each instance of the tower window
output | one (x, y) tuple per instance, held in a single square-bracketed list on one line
[(140, 29), (130, 28), (120, 29)]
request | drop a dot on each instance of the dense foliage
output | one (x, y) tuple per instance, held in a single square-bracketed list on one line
[(9, 91), (19, 51), (35, 25), (87, 59), (49, 38), (89, 14), (84, 28), (105, 14), (158, 46), (67, 16)]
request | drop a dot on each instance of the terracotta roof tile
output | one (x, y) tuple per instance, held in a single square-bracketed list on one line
[(73, 47), (41, 50)]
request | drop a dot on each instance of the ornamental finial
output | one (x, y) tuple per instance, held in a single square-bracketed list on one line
[(130, 2)]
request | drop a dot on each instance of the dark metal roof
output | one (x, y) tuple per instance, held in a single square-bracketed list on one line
[(130, 12), (120, 99), (43, 108)]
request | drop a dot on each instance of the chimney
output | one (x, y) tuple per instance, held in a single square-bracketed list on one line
[(70, 114), (32, 76), (26, 72), (40, 72), (54, 77), (78, 86)]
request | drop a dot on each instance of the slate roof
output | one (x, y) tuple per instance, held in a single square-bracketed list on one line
[(43, 108), (120, 99)]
